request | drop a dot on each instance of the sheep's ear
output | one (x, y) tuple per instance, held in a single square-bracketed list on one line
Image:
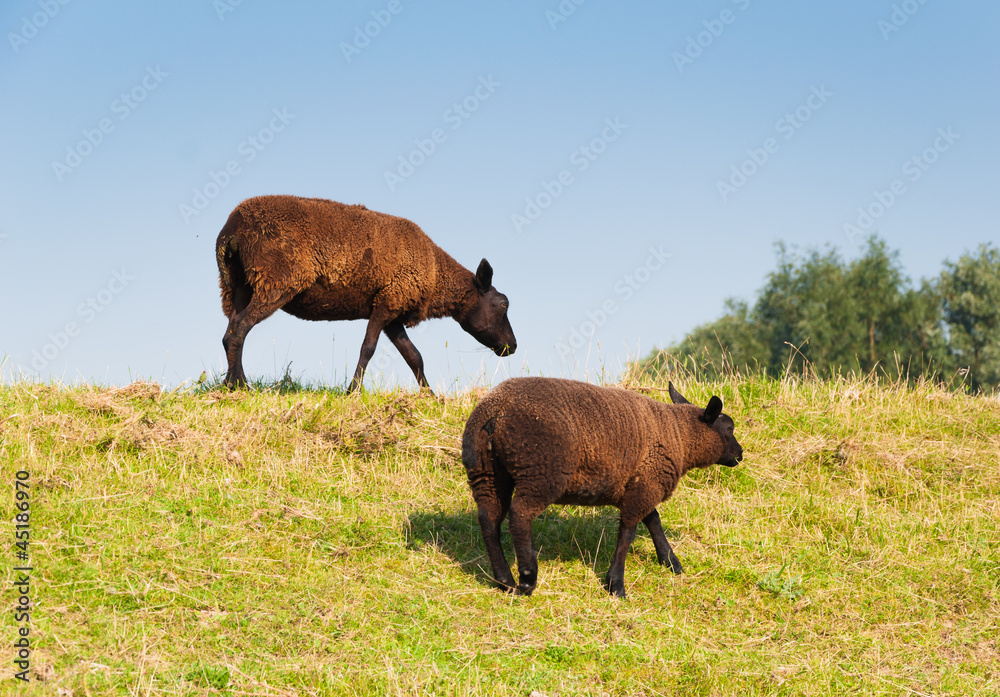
[(712, 411), (484, 276), (675, 396)]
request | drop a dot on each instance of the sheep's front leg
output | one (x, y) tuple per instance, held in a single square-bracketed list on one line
[(663, 550), (615, 580)]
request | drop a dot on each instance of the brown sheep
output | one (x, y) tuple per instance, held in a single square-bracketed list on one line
[(533, 442), (321, 260)]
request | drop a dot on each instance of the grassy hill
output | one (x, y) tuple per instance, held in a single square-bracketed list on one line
[(311, 543)]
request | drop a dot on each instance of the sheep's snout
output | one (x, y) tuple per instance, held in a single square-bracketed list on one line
[(506, 349), (734, 456)]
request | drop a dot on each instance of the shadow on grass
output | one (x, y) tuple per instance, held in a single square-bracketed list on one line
[(563, 533)]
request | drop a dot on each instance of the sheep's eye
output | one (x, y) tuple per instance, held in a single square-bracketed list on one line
[(503, 305)]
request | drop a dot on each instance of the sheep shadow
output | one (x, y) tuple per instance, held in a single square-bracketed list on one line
[(563, 533)]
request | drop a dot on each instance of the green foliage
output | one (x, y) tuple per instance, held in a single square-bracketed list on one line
[(822, 315), (775, 583), (970, 292), (733, 340), (209, 676)]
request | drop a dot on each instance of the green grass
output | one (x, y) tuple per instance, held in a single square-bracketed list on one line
[(286, 542)]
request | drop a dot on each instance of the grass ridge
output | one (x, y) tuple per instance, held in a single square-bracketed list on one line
[(299, 541)]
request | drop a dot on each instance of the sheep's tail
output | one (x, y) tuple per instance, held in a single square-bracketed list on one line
[(232, 276), (477, 451)]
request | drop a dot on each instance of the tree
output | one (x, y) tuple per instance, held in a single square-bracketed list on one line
[(807, 313), (732, 341), (970, 292), (875, 281), (816, 310)]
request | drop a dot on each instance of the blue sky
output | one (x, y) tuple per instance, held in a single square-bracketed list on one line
[(625, 167)]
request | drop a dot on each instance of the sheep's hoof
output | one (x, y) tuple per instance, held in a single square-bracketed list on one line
[(615, 587), (527, 583), (235, 384), (675, 565), (507, 586)]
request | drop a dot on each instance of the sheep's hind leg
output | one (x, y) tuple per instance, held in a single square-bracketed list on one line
[(257, 309), (235, 378), (396, 331), (663, 550), (375, 325), (490, 518), (492, 487), (522, 513), (615, 580)]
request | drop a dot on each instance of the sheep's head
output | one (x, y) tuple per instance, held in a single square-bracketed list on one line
[(718, 422), (487, 320)]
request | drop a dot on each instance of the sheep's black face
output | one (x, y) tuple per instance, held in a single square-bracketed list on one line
[(733, 450), (720, 423), (487, 321)]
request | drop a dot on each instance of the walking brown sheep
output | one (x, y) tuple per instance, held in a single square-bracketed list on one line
[(322, 260), (533, 442)]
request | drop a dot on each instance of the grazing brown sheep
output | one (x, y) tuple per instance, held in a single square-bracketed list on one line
[(321, 260), (533, 442)]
